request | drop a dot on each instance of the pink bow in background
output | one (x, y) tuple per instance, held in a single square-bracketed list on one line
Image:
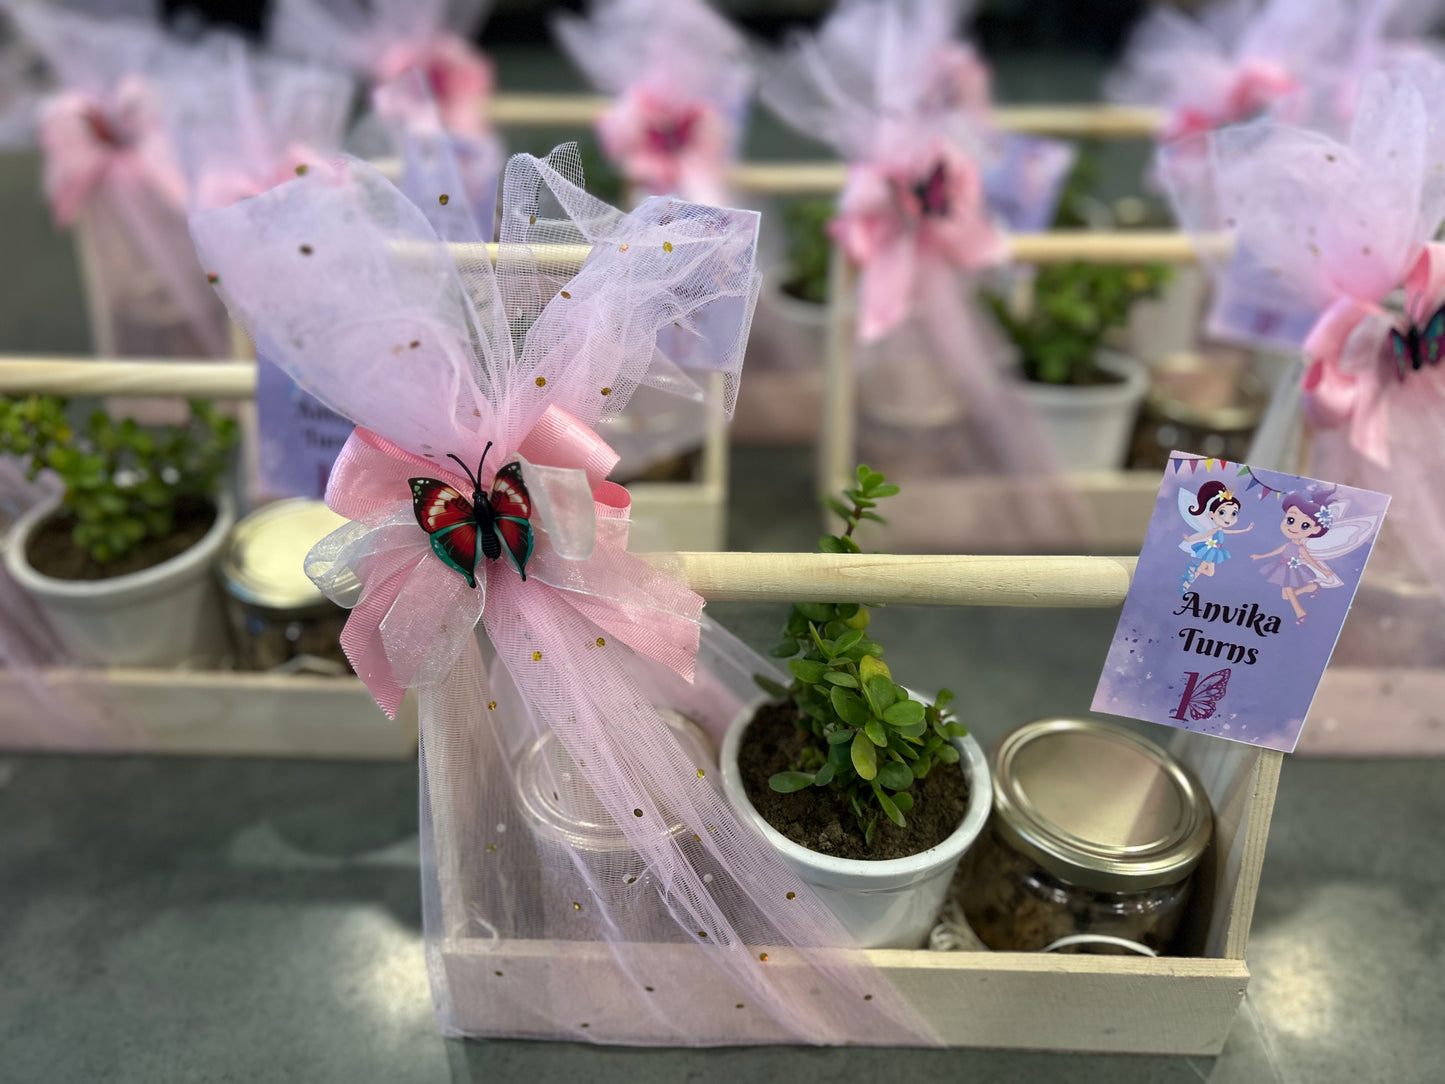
[(961, 82), (414, 614), (1350, 370), (897, 219), (665, 145), (88, 142), (459, 77), (1255, 88)]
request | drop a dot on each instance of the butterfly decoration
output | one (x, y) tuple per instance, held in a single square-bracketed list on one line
[(489, 521), (1416, 347), (932, 193), (1202, 695)]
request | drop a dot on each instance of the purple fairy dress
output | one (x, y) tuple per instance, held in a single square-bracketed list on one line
[(1289, 569)]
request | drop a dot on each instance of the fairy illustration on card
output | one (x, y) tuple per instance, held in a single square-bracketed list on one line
[(1212, 513), (1317, 528)]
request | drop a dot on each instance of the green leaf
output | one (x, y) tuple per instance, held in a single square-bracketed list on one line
[(905, 713), (948, 754), (785, 649), (807, 670), (839, 735), (850, 707), (943, 699), (824, 775), (870, 482), (818, 612), (903, 800), (838, 677), (874, 516), (889, 808), (788, 782), (862, 472), (769, 686), (834, 629), (889, 490), (915, 730), (955, 730), (865, 756), (869, 831), (895, 776), (837, 506), (920, 767), (825, 646), (848, 640), (831, 544), (880, 692), (876, 734)]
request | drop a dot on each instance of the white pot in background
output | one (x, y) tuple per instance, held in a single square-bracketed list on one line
[(169, 615), (1091, 425), (886, 904)]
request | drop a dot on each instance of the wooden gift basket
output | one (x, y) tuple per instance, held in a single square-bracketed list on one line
[(1037, 1001)]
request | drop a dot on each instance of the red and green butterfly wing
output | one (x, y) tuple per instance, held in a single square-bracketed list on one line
[(447, 517), (511, 511)]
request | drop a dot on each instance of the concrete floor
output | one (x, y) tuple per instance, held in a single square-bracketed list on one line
[(220, 920)]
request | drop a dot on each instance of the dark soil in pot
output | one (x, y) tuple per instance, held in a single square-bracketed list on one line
[(1092, 376), (821, 818), (51, 552)]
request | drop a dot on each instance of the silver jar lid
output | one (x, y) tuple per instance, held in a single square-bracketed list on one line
[(1099, 806), (558, 800), (265, 556)]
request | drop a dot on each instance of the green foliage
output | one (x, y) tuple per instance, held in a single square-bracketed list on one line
[(869, 738), (122, 481), (805, 221), (1075, 305)]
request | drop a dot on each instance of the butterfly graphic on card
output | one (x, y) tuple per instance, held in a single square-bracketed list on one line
[(1418, 347), (1202, 695), (463, 531)]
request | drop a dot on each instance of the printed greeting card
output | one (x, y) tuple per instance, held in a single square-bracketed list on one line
[(299, 437), (1243, 585)]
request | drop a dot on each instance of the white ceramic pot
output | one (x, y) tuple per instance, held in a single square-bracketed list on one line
[(169, 615), (1091, 426), (885, 904)]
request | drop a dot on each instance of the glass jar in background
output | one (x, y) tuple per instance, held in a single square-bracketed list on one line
[(279, 619), (1094, 837)]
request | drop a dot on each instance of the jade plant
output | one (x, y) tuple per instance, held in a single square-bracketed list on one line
[(805, 222), (1075, 305), (866, 735), (123, 482)]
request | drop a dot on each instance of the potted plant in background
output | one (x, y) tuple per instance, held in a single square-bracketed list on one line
[(1087, 394), (122, 561), (853, 778), (779, 403)]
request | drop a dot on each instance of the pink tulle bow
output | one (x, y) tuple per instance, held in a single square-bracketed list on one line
[(459, 77), (223, 187), (960, 82), (414, 614), (87, 140), (1349, 372), (896, 218), (667, 145), (1255, 87)]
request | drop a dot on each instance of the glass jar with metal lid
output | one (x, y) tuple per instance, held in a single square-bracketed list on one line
[(278, 617), (1092, 844)]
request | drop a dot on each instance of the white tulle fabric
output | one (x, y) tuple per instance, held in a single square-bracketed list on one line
[(1334, 247), (680, 77), (109, 158), (1299, 60), (906, 104), (682, 927), (243, 122)]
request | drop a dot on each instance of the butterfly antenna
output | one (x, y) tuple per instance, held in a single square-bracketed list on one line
[(470, 477), (482, 462)]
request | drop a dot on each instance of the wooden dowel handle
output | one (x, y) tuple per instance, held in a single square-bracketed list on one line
[(1085, 121), (925, 579), (183, 379)]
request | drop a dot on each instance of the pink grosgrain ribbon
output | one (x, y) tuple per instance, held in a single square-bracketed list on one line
[(415, 614), (886, 226), (87, 141), (1348, 375)]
